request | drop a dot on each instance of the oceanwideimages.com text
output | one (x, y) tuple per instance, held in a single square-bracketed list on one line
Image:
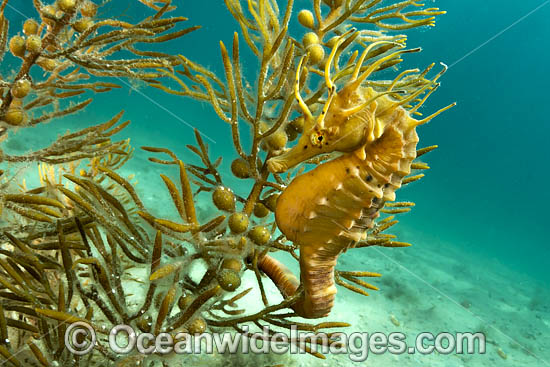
[(80, 339)]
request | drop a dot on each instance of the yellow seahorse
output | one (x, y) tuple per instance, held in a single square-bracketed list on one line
[(328, 209)]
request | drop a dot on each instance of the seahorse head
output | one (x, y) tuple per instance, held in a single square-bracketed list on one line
[(354, 116), (341, 126)]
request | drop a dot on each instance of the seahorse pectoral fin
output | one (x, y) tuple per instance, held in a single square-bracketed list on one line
[(361, 153), (276, 165)]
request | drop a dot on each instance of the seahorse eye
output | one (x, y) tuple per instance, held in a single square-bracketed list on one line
[(317, 138)]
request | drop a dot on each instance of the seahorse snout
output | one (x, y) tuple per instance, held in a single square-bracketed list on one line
[(290, 158)]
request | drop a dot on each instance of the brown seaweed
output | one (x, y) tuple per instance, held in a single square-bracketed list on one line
[(69, 246)]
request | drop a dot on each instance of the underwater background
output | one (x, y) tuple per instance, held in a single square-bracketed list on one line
[(481, 254)]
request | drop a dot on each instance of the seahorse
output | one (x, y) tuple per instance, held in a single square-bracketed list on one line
[(328, 209)]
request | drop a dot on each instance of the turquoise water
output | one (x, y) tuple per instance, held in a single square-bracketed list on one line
[(485, 201), (484, 187)]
